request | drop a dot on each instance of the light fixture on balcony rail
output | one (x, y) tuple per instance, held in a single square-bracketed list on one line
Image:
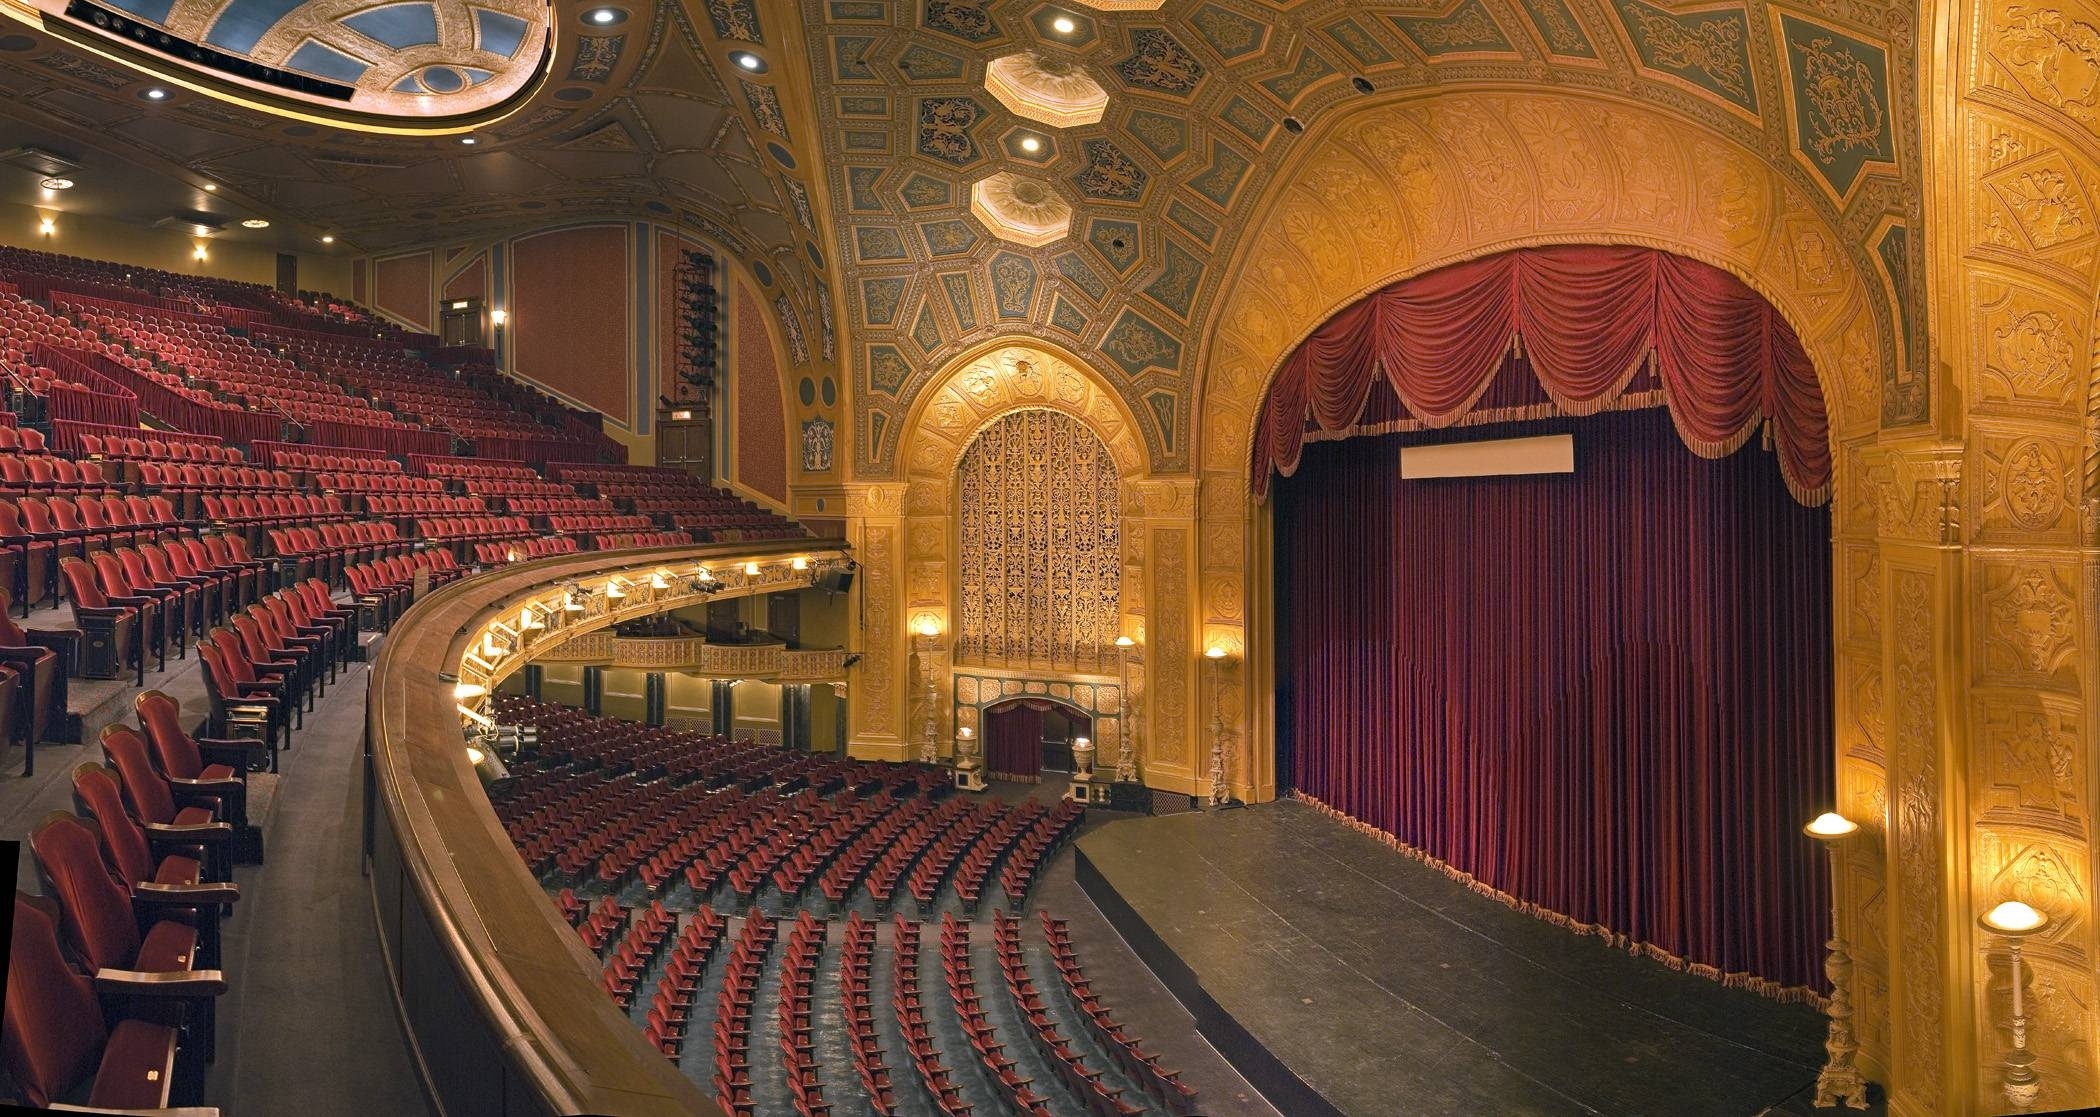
[(469, 690), (750, 570), (657, 581), (475, 716), (615, 588), (800, 563)]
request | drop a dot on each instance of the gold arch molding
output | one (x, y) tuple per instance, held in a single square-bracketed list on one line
[(1404, 187), (1002, 376)]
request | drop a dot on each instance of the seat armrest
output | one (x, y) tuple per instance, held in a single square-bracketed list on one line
[(174, 983), (218, 786), (145, 893), (169, 1111), (194, 834)]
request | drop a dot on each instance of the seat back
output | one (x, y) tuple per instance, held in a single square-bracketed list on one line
[(54, 1028), (81, 584), (161, 717), (99, 795), (94, 910), (109, 569), (144, 787)]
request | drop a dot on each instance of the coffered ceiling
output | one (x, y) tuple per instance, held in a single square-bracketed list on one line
[(1205, 99), (955, 171)]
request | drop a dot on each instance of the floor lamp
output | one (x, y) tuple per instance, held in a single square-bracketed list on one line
[(1219, 792), (1840, 1080), (2014, 921), (923, 632)]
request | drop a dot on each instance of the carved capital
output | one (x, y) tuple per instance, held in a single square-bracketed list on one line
[(1917, 493)]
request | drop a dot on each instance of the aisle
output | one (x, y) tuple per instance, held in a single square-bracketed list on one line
[(308, 1026)]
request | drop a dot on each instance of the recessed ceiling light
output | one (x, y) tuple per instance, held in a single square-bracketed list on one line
[(326, 239), (155, 94), (468, 140), (1030, 144), (748, 61), (255, 223), (604, 17), (57, 184), (211, 187), (1064, 25)]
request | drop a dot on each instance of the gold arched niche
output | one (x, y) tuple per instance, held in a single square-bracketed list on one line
[(912, 542), (1403, 186)]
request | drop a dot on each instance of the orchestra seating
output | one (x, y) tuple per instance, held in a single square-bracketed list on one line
[(660, 845)]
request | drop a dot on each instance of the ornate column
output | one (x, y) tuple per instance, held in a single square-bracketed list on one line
[(1164, 674), (876, 707)]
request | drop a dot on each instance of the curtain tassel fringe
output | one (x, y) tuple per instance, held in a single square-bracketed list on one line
[(1786, 994)]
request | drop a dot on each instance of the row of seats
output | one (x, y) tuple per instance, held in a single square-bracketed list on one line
[(911, 1020), (671, 1008), (1085, 1082), (1142, 1066), (732, 1030), (1015, 1091), (115, 968)]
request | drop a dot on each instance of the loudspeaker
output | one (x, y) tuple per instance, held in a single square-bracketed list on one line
[(835, 581)]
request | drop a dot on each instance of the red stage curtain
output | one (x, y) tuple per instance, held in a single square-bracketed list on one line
[(1589, 321), (1606, 695), (1013, 741)]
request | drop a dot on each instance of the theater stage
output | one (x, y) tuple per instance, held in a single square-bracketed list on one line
[(1341, 977)]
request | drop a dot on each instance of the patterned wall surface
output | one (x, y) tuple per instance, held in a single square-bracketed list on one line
[(1208, 100), (569, 293), (1040, 513), (761, 428), (401, 287)]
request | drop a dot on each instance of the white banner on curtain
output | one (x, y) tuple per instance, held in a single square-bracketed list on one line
[(1501, 457)]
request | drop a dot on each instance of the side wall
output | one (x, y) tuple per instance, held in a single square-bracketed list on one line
[(166, 249)]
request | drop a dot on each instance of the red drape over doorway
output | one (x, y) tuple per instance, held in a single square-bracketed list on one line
[(1013, 741), (1605, 696)]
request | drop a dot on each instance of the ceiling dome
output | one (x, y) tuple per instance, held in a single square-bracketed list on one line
[(416, 59)]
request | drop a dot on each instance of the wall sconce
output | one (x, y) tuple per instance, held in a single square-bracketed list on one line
[(47, 226), (2015, 921), (198, 252), (499, 317), (927, 625)]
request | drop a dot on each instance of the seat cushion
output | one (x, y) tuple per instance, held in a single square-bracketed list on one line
[(137, 1063), (217, 772), (170, 947)]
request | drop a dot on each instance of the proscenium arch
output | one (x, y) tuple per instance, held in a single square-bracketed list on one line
[(1404, 186)]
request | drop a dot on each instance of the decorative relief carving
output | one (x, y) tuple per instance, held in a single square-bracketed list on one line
[(1915, 769), (879, 634), (1918, 495), (2030, 622), (2035, 771), (1864, 572), (1041, 518), (2029, 356), (2026, 485), (1168, 733)]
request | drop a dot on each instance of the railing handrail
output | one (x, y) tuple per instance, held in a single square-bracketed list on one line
[(432, 832)]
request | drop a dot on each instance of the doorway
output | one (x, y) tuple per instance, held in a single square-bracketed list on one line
[(1026, 737)]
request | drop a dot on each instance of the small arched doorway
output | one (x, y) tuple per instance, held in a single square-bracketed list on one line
[(1025, 737)]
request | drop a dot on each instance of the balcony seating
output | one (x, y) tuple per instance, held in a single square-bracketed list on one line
[(239, 688), (41, 663), (204, 764), (60, 1046), (113, 635), (168, 929), (162, 609)]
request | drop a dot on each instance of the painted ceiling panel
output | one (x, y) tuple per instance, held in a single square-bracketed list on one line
[(399, 26)]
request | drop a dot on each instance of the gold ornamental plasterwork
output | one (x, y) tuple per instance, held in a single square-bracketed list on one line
[(1040, 514)]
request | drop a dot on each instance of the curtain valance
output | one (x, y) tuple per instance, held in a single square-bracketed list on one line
[(1589, 322)]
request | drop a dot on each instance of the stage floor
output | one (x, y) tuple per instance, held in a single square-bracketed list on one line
[(1342, 977)]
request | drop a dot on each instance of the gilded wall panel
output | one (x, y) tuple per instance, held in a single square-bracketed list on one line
[(2029, 350), (1169, 726), (2029, 631), (875, 711), (1915, 773), (1040, 513), (2030, 483), (2033, 770)]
